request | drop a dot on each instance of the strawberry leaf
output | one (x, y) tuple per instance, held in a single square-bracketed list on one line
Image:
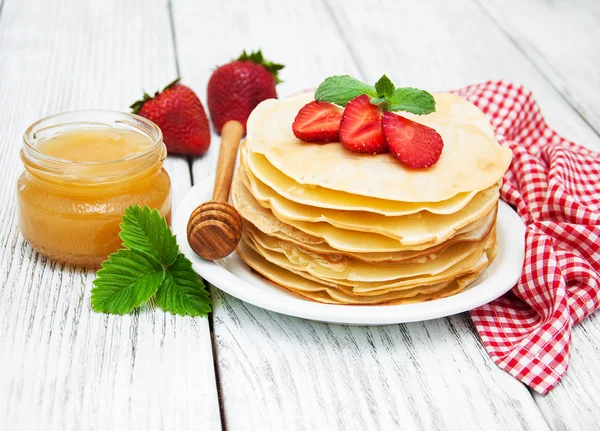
[(171, 84), (137, 105), (385, 87), (182, 292), (146, 230), (127, 279), (150, 265), (341, 89), (257, 57), (412, 100)]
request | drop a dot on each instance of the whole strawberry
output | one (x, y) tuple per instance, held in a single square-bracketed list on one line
[(235, 88), (181, 117)]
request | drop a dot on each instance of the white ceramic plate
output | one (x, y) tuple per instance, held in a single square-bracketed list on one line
[(233, 276)]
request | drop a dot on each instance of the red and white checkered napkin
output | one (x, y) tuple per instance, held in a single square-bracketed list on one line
[(554, 185)]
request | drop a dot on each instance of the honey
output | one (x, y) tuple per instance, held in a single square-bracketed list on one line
[(82, 170)]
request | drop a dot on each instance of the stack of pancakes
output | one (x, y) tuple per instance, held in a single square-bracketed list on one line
[(346, 228)]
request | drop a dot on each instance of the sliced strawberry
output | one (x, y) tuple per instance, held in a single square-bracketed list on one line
[(414, 144), (360, 130), (318, 122)]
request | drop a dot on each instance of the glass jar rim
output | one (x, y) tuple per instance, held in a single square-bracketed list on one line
[(153, 132)]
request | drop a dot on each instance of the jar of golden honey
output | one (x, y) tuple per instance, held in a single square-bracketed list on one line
[(82, 169)]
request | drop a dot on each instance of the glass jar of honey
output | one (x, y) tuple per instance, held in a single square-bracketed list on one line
[(82, 169)]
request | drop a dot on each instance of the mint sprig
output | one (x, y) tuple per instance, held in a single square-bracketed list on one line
[(343, 88), (150, 265)]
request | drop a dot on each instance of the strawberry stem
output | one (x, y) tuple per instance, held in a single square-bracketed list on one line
[(137, 105), (257, 57), (176, 81)]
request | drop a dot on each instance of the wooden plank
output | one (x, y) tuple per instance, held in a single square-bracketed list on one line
[(278, 372), (561, 39), (65, 367)]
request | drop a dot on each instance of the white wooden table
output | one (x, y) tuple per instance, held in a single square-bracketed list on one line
[(63, 367)]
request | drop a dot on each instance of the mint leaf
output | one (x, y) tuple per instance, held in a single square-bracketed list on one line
[(385, 87), (182, 292), (127, 279), (341, 89), (412, 100), (146, 230)]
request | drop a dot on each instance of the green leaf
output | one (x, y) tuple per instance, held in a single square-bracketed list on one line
[(382, 102), (146, 230), (384, 87), (412, 100), (182, 292), (137, 105), (127, 279), (150, 265), (341, 89)]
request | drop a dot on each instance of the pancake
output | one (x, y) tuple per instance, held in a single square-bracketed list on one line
[(480, 229), (424, 288), (356, 270), (263, 174), (249, 209), (471, 159), (318, 292), (416, 229), (382, 287), (470, 264), (474, 263), (340, 263)]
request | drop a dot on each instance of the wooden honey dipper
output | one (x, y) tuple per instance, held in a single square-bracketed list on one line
[(215, 227)]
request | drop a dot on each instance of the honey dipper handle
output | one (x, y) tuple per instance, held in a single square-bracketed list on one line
[(230, 141)]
